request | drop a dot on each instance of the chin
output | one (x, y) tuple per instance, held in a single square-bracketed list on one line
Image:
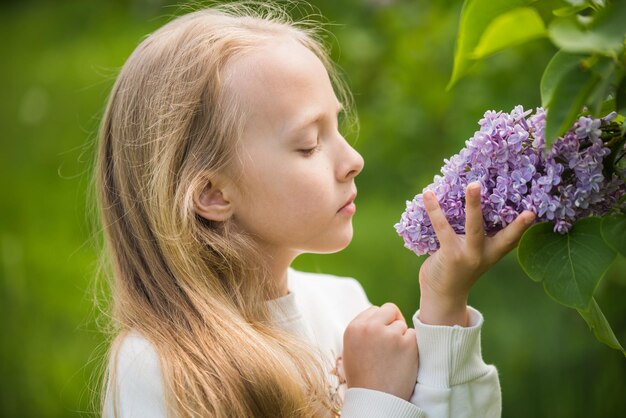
[(335, 245)]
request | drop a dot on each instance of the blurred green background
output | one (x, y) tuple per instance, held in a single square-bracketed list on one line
[(59, 60)]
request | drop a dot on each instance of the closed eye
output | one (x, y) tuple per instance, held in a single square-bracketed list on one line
[(310, 151)]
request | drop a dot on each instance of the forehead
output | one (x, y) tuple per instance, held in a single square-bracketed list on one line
[(279, 84)]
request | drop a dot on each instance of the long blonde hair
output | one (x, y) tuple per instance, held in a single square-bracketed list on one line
[(197, 290)]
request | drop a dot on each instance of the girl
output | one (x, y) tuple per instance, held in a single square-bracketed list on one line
[(219, 162)]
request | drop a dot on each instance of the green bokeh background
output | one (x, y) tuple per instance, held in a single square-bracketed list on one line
[(59, 60)]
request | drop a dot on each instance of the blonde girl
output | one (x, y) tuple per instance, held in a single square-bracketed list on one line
[(219, 162)]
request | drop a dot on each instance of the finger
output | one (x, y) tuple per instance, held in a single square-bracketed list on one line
[(410, 333), (474, 227), (398, 326), (505, 240), (367, 313), (387, 314), (442, 228), (410, 336)]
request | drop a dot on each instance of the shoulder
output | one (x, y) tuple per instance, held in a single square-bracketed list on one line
[(134, 344), (136, 370), (136, 355)]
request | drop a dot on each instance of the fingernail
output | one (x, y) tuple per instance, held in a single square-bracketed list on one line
[(529, 218)]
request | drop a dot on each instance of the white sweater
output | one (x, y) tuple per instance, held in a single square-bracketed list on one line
[(453, 381)]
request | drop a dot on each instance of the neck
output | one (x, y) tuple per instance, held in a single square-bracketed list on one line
[(279, 262)]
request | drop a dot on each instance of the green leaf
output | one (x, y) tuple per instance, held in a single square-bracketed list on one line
[(569, 35), (509, 29), (569, 266), (604, 69), (604, 35), (614, 232), (475, 17), (570, 10), (606, 107), (600, 326), (569, 91), (611, 162), (560, 64), (620, 97)]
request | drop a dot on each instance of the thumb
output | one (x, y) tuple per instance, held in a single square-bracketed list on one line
[(507, 239)]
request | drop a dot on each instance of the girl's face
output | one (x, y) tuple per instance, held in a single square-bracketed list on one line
[(296, 170)]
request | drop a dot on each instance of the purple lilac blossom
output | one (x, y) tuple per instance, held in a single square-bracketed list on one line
[(507, 156)]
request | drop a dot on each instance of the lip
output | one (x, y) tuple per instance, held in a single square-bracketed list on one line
[(349, 206)]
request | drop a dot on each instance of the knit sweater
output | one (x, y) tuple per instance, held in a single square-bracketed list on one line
[(452, 381)]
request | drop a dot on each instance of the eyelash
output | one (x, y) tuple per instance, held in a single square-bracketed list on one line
[(310, 151)]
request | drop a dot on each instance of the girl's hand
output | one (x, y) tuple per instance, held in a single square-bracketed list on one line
[(380, 352), (447, 275)]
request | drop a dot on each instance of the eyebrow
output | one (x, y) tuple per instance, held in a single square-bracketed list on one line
[(309, 120)]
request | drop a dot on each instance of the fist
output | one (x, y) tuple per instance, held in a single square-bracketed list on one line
[(380, 352)]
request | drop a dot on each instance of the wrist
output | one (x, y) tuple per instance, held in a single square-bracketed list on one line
[(443, 310)]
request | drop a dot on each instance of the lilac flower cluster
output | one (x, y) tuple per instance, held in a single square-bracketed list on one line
[(507, 156)]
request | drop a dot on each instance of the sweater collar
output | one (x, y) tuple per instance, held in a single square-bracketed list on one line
[(285, 308)]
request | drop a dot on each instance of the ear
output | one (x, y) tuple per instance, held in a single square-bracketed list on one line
[(212, 203)]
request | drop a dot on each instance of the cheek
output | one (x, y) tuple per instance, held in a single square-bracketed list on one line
[(292, 183), (289, 192), (300, 199), (297, 206), (311, 192)]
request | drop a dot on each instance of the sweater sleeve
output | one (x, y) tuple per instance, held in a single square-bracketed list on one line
[(367, 403), (453, 380)]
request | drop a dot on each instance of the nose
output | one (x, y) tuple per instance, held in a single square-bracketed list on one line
[(350, 164)]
